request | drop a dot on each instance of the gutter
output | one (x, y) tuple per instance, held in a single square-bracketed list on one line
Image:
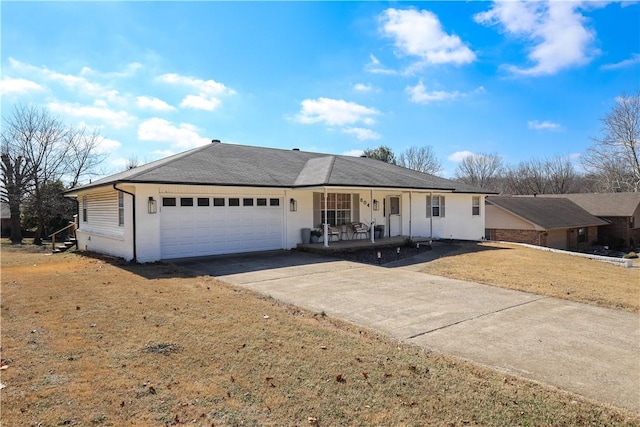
[(135, 255)]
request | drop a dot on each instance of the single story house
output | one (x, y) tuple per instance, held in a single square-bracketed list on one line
[(621, 210), (224, 198), (552, 222)]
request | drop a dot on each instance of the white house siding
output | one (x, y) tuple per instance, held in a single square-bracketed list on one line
[(101, 232), (458, 221)]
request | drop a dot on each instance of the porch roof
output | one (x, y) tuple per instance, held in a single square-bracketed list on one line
[(246, 166)]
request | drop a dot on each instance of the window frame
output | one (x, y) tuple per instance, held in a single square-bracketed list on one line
[(583, 234), (120, 209), (170, 202), (475, 206), (438, 207), (339, 209)]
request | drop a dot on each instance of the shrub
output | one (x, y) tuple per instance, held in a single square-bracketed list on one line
[(631, 255)]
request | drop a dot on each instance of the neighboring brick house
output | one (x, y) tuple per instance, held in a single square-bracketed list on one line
[(555, 223), (620, 210)]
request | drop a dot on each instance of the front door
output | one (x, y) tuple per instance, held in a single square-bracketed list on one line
[(394, 221)]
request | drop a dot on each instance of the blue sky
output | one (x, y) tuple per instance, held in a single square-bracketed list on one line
[(521, 79)]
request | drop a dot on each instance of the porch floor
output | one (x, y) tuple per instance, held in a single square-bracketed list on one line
[(345, 245)]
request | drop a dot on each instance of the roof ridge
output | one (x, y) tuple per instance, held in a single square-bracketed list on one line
[(327, 178)]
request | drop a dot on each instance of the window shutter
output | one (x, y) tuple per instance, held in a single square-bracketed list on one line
[(355, 208), (428, 206), (442, 206)]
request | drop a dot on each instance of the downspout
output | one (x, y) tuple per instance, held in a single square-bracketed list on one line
[(135, 255), (373, 222), (325, 225)]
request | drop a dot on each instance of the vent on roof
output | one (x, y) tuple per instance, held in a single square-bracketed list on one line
[(295, 149), (363, 156), (215, 141)]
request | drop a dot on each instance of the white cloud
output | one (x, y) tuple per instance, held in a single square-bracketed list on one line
[(353, 153), (459, 156), (362, 133), (78, 84), (161, 154), (374, 66), (420, 95), (545, 125), (160, 130), (556, 32), (98, 111), (200, 102), (209, 91), (107, 145), (420, 34), (635, 59), (361, 87), (153, 103), (10, 86), (334, 112)]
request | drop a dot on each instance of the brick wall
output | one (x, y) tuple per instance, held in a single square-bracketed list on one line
[(531, 237), (572, 240), (618, 234)]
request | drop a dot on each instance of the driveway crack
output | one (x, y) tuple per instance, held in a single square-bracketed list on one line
[(475, 317)]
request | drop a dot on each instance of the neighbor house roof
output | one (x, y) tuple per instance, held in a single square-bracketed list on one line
[(604, 204), (548, 213), (241, 165)]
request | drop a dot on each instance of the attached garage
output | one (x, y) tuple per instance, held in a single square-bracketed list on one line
[(199, 226)]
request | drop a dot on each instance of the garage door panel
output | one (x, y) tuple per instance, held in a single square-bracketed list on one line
[(211, 230)]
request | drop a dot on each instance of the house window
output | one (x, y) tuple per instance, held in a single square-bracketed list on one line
[(203, 201), (274, 202), (475, 206), (435, 206), (582, 235), (247, 202), (168, 201), (338, 208), (120, 209), (218, 201), (261, 202), (234, 201), (84, 208), (186, 201)]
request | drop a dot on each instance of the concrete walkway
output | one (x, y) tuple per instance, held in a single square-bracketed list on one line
[(591, 351)]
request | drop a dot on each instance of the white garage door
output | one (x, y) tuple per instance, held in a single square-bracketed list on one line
[(197, 226)]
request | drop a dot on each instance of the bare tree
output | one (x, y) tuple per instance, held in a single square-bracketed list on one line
[(38, 149), (614, 156), (421, 159), (555, 175), (480, 170), (84, 156)]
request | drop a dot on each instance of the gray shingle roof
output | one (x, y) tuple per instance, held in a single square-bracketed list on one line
[(548, 213), (604, 204), (241, 165)]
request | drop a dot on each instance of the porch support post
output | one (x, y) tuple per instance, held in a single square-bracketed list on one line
[(410, 214), (325, 225), (372, 225)]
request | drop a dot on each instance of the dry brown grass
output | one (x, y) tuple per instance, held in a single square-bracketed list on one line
[(542, 272), (89, 341)]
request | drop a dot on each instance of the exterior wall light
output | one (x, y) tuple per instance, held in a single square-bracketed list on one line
[(293, 205), (376, 205), (152, 205)]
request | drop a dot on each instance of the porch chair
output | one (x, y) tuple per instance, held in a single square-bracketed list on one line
[(359, 228), (333, 232)]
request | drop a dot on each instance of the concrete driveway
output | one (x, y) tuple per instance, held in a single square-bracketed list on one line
[(591, 351)]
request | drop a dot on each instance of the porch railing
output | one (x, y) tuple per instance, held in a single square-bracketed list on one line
[(72, 227)]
